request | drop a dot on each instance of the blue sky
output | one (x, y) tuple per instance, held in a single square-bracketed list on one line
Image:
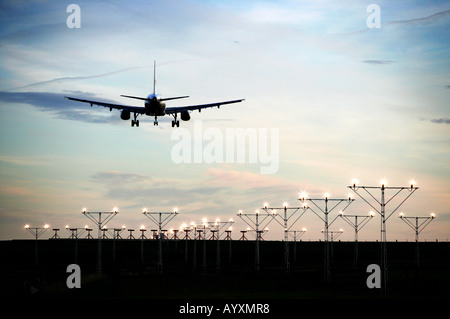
[(348, 101)]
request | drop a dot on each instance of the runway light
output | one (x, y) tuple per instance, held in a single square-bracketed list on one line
[(86, 226), (84, 210), (115, 209), (341, 230), (341, 213), (27, 226), (285, 204), (401, 215), (144, 210), (274, 212), (349, 197), (67, 226), (326, 195), (231, 220), (142, 227), (266, 205), (412, 184), (354, 182), (257, 212), (303, 196), (304, 229), (240, 212), (383, 182), (371, 213), (433, 215), (175, 210), (305, 204), (123, 227), (46, 226)]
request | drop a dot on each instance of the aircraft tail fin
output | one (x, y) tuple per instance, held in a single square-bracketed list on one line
[(154, 77)]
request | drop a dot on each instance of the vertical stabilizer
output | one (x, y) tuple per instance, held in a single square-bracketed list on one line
[(154, 77)]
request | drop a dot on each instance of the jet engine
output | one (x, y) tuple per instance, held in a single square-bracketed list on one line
[(125, 115), (185, 116)]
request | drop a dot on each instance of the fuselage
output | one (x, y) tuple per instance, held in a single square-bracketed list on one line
[(153, 106)]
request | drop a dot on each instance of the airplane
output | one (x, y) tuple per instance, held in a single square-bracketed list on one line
[(154, 106)]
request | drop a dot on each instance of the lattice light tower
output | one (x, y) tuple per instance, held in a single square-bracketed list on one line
[(293, 234), (417, 227), (160, 221), (380, 207), (96, 217), (359, 222), (325, 211), (260, 221), (273, 211)]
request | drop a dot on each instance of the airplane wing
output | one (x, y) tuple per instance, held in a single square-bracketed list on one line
[(179, 109), (134, 109)]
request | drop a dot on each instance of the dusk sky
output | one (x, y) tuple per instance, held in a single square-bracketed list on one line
[(347, 101)]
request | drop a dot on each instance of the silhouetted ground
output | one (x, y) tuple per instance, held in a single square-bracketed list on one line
[(236, 279)]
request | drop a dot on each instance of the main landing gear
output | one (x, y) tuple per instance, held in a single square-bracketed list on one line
[(135, 121), (156, 121), (175, 122)]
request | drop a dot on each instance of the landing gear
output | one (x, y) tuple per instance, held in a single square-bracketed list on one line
[(135, 121), (175, 122), (156, 121)]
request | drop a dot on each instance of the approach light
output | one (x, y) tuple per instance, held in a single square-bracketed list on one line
[(115, 209), (240, 212), (67, 226), (257, 212), (266, 205), (401, 215), (84, 210), (285, 205), (412, 184), (354, 182), (274, 212), (46, 226), (326, 195), (144, 210), (383, 182), (142, 227), (304, 229), (231, 220), (341, 213), (433, 215), (371, 213), (175, 210), (303, 196), (27, 226)]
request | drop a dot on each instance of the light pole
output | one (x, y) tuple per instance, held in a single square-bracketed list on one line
[(37, 232), (381, 210), (285, 218), (255, 226), (75, 232), (160, 222), (417, 227), (360, 222), (293, 234), (326, 200), (215, 227), (96, 217)]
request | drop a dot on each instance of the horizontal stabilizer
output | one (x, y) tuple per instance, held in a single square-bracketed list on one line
[(135, 97), (173, 98)]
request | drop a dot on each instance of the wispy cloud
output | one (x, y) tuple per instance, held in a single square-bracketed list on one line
[(59, 106), (378, 61), (441, 121), (424, 20)]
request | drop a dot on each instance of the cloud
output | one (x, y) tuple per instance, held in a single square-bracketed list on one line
[(62, 108), (425, 20), (441, 121), (377, 61)]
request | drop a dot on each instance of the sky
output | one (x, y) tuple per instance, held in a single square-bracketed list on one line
[(345, 100)]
